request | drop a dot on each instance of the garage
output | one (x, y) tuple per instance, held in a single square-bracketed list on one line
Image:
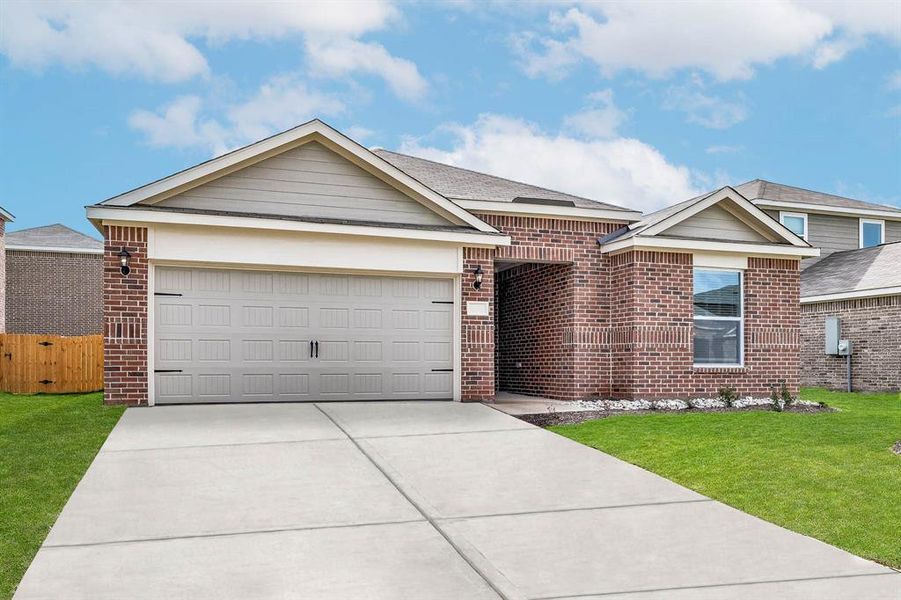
[(227, 335)]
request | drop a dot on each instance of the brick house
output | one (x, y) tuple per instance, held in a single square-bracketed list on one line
[(307, 267), (53, 281), (856, 278)]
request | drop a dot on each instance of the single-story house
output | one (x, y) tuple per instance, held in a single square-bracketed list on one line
[(5, 217), (863, 288), (308, 267), (54, 281)]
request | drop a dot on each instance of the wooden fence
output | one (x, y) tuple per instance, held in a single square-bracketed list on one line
[(50, 363)]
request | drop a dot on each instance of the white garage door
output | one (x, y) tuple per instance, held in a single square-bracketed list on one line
[(257, 336)]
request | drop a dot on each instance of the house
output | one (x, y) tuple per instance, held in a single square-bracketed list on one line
[(54, 280), (855, 278), (830, 223), (5, 217), (307, 267)]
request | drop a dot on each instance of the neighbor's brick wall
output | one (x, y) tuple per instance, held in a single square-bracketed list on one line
[(54, 293), (874, 327), (2, 275), (125, 317), (651, 328)]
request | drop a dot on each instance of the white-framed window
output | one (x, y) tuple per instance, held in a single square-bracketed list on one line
[(872, 232), (718, 297), (795, 222)]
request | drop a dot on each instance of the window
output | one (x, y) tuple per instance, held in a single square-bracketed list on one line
[(718, 318), (795, 222), (872, 232)]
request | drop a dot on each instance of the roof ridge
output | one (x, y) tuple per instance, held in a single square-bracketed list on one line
[(483, 174), (803, 189)]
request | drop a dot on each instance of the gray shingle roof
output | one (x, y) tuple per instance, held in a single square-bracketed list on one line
[(462, 184), (52, 236), (759, 189), (853, 271)]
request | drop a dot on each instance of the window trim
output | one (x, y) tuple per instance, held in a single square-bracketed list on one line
[(802, 216), (862, 222), (740, 319)]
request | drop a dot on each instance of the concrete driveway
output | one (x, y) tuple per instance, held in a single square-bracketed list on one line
[(405, 500)]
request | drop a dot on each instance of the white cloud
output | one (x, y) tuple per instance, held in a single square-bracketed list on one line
[(725, 39), (279, 104), (601, 119), (704, 109), (620, 170), (723, 149), (893, 81), (340, 57), (156, 39)]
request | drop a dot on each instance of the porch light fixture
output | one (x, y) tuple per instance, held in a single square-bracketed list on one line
[(477, 284), (123, 261)]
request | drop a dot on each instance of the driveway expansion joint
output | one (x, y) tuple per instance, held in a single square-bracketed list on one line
[(422, 512), (263, 443), (234, 533), (574, 509), (709, 586), (441, 433)]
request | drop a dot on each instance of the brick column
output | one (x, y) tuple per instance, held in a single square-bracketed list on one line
[(478, 332), (125, 317)]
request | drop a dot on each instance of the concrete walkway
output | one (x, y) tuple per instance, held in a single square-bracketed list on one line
[(402, 500)]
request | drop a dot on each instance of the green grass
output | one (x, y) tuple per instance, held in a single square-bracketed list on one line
[(46, 445), (828, 475)]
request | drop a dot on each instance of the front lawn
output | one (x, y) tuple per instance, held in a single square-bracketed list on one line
[(828, 475), (46, 445)]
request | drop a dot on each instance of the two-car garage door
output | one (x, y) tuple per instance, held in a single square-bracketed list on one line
[(255, 336)]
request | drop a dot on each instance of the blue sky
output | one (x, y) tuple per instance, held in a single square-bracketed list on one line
[(636, 104)]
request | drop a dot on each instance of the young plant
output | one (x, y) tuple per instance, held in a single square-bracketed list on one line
[(728, 396), (787, 399), (774, 398)]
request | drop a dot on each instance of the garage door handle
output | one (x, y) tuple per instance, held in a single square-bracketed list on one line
[(317, 349), (311, 348)]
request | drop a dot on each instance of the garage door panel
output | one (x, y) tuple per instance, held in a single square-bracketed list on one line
[(246, 336)]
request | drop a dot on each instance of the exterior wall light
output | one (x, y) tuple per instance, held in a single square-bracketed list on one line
[(123, 261), (477, 284)]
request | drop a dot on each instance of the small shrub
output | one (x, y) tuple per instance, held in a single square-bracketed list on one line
[(728, 396), (774, 398), (786, 397), (689, 404)]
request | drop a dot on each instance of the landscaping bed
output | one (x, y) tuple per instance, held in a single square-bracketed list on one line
[(831, 475)]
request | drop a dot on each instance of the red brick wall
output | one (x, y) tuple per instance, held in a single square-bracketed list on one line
[(651, 328), (2, 275), (534, 301), (125, 317), (54, 292), (581, 333), (478, 332), (874, 327)]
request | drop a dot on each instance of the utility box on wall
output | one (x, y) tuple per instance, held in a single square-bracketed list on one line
[(833, 335)]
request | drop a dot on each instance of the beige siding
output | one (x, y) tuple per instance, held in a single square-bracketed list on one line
[(309, 181), (892, 231), (715, 223)]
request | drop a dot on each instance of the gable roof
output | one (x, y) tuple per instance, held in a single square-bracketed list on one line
[(764, 192), (861, 270), (651, 230), (458, 183), (56, 237), (314, 130)]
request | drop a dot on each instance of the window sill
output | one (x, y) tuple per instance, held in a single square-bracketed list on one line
[(719, 369)]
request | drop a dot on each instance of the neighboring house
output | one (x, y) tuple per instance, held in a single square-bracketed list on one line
[(863, 288), (307, 267), (856, 278), (830, 223), (5, 218), (54, 281)]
